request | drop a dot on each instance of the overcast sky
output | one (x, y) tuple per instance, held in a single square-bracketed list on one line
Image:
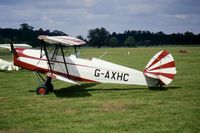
[(76, 17)]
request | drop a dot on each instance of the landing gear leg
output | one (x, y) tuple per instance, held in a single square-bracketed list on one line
[(48, 84), (45, 86)]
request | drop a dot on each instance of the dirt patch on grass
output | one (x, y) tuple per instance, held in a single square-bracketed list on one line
[(113, 107), (17, 130), (71, 111), (183, 51), (5, 99)]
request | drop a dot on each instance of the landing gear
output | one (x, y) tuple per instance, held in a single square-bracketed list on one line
[(42, 90), (48, 84), (45, 87), (50, 87)]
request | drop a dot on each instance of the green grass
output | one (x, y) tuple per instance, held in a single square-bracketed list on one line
[(105, 107)]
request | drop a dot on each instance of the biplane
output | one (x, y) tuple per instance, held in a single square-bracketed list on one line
[(56, 64)]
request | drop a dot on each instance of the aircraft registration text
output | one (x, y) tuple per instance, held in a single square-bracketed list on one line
[(111, 75)]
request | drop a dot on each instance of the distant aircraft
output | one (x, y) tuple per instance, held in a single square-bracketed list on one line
[(56, 64), (8, 65)]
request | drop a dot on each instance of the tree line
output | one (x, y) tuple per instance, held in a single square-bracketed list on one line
[(25, 34), (100, 37)]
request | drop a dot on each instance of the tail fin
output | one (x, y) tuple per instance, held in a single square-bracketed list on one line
[(162, 67)]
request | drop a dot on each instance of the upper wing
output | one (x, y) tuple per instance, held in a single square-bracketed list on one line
[(64, 40), (7, 46)]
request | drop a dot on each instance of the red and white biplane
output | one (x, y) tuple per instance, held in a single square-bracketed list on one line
[(56, 64)]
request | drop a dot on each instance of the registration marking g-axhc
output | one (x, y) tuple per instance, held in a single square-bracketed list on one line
[(111, 75)]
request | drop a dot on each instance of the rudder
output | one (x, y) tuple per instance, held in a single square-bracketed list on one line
[(162, 67)]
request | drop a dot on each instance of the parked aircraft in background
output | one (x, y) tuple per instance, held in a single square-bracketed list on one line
[(8, 65)]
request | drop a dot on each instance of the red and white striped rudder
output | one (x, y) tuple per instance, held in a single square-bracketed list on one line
[(162, 67)]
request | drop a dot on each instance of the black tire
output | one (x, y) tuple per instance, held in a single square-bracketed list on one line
[(42, 90)]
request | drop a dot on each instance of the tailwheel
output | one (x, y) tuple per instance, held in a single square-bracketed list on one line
[(42, 90)]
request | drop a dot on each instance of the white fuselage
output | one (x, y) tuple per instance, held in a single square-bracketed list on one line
[(94, 70)]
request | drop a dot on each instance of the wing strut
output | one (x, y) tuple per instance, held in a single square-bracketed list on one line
[(75, 50), (46, 53), (55, 52), (63, 55), (41, 50)]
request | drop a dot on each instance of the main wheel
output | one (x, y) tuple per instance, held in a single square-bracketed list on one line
[(42, 90)]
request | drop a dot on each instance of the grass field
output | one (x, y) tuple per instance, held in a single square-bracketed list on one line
[(105, 107)]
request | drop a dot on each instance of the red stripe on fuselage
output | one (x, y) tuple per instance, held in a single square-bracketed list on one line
[(21, 54), (42, 70)]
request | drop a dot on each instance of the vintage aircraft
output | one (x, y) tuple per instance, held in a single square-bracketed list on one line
[(56, 64)]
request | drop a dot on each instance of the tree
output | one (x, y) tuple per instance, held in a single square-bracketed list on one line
[(41, 30), (80, 37), (113, 42), (25, 27), (98, 37), (147, 43), (58, 32), (130, 41)]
